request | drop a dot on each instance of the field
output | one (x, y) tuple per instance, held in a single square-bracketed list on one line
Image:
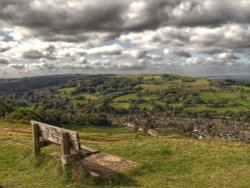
[(128, 97), (245, 88), (209, 96), (89, 96), (219, 110), (146, 106), (243, 103), (121, 105), (151, 87), (235, 98), (172, 161), (64, 92), (76, 102)]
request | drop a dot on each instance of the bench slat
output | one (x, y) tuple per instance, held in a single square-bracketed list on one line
[(53, 134), (85, 151), (58, 139), (56, 130)]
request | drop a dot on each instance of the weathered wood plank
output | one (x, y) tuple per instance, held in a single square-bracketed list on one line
[(65, 144), (44, 134), (56, 130), (54, 134), (58, 139), (86, 151)]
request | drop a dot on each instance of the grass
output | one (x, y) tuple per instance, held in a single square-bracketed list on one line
[(209, 96), (67, 91), (199, 108), (244, 88), (243, 103), (176, 105), (152, 87), (227, 96), (76, 102), (120, 105), (125, 98), (149, 97), (133, 97), (152, 77), (172, 161), (147, 106), (89, 96), (199, 84)]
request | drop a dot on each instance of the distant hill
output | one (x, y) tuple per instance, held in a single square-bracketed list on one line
[(245, 78), (8, 86)]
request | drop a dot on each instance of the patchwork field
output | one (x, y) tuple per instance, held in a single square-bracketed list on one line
[(147, 95), (151, 87), (128, 97), (199, 108), (121, 105), (207, 96)]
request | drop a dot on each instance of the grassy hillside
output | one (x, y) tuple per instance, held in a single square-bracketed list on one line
[(172, 161), (26, 84)]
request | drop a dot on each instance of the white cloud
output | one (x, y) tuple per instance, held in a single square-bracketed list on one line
[(121, 35), (110, 50)]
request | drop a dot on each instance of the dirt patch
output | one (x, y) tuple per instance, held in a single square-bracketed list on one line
[(10, 131)]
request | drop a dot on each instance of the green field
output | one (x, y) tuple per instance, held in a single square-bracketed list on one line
[(76, 102), (89, 96), (197, 85), (176, 105), (146, 106), (227, 96), (244, 88), (149, 97), (152, 77), (172, 161), (243, 103), (67, 91), (120, 105), (152, 87), (129, 97), (199, 108), (209, 96)]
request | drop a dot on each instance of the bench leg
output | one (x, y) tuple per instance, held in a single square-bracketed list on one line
[(65, 147), (36, 141)]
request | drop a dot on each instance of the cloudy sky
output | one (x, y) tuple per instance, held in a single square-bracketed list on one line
[(194, 37)]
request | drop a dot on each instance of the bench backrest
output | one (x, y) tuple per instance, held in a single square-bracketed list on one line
[(53, 134)]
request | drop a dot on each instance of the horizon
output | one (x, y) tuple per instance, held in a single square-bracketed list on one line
[(135, 74), (185, 37)]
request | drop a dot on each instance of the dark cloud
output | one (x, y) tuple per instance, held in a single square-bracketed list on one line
[(4, 49), (52, 20), (18, 66), (210, 13), (79, 34), (213, 51), (182, 54), (35, 54), (4, 62)]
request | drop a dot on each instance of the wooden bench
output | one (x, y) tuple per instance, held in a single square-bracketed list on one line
[(72, 150)]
